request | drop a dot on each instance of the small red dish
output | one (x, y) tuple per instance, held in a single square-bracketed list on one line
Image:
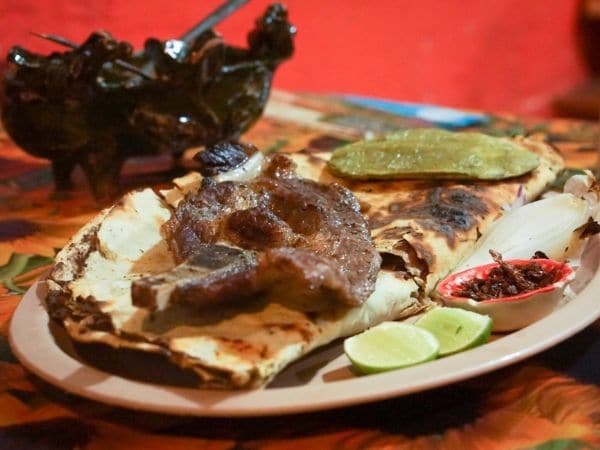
[(514, 312)]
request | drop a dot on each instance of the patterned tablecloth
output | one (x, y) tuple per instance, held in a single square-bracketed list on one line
[(550, 402)]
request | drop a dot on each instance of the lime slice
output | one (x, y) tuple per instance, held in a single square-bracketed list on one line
[(456, 329), (390, 345)]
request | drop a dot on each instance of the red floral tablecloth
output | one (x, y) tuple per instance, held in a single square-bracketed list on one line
[(549, 402)]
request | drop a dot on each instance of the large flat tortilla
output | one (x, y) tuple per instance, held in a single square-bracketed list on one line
[(433, 224), (423, 228)]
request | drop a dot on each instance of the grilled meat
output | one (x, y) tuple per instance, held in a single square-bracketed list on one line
[(278, 236)]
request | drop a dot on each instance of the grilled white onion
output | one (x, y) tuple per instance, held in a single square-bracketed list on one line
[(549, 225)]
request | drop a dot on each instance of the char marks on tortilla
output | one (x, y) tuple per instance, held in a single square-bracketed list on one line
[(422, 230)]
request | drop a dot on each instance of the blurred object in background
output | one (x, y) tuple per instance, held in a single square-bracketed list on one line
[(583, 101), (588, 31), (98, 104)]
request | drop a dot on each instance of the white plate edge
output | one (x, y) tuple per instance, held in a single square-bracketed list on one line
[(25, 343)]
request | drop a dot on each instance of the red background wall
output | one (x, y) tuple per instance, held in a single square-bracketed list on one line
[(503, 55)]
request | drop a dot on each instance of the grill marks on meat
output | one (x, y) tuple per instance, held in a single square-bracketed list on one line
[(218, 274), (294, 240)]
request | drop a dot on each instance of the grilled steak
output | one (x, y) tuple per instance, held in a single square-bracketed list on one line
[(278, 236)]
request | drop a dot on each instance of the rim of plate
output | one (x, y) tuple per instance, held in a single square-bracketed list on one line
[(35, 347)]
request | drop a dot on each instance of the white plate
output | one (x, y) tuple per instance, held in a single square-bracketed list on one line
[(319, 381)]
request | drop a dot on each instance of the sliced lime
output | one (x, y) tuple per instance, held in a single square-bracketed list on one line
[(390, 345), (456, 329)]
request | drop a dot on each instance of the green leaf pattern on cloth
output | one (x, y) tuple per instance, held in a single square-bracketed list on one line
[(14, 273)]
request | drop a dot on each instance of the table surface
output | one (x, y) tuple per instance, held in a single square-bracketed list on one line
[(549, 402)]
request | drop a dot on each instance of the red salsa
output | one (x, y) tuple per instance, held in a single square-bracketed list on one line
[(507, 280)]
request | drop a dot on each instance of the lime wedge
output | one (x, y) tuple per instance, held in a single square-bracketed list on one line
[(390, 345), (456, 329)]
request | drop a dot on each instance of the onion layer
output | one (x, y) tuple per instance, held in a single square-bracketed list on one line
[(549, 225)]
